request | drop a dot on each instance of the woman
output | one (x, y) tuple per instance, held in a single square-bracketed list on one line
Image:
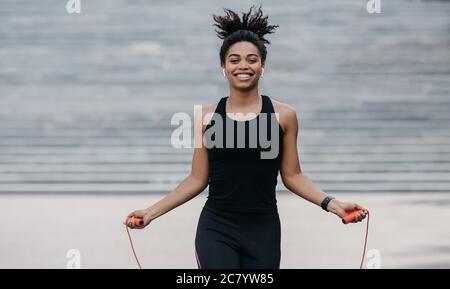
[(239, 226)]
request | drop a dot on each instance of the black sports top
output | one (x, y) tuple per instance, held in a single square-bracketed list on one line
[(243, 178)]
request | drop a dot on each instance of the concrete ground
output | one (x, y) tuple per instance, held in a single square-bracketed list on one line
[(45, 227)]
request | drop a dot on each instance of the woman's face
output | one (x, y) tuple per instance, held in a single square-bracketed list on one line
[(243, 65)]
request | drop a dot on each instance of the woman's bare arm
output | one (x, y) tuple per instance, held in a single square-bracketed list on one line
[(190, 187), (291, 172)]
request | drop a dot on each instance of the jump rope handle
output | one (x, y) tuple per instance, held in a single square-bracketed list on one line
[(138, 222), (350, 218)]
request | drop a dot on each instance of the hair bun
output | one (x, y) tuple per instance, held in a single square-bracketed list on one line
[(257, 23)]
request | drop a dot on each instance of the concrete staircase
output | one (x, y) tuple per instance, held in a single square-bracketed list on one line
[(86, 100)]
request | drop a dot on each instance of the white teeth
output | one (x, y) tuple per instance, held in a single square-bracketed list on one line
[(243, 76)]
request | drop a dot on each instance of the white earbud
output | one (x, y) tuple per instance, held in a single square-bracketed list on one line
[(262, 73), (223, 72)]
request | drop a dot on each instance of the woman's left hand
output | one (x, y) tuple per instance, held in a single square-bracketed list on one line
[(342, 209)]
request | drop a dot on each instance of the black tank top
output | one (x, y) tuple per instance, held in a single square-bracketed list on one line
[(241, 179)]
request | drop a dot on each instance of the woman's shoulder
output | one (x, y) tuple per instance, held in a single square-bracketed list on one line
[(286, 113), (210, 108), (282, 107), (205, 115)]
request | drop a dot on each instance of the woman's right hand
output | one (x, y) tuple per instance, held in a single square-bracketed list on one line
[(144, 214)]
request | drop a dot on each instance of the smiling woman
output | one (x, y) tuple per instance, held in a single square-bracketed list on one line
[(243, 66), (239, 226), (243, 52)]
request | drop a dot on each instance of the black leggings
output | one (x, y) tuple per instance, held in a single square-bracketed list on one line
[(229, 240)]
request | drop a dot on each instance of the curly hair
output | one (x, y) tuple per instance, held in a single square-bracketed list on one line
[(252, 28)]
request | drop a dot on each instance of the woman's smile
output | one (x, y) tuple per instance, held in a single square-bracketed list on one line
[(243, 76)]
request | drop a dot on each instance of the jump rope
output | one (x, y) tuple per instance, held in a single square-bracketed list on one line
[(350, 218)]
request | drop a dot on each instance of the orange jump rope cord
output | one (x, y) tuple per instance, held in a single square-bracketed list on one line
[(132, 247), (365, 241), (360, 267)]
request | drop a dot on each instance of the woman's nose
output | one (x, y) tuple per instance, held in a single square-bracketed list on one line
[(244, 65)]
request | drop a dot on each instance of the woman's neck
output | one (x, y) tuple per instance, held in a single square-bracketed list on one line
[(243, 99)]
